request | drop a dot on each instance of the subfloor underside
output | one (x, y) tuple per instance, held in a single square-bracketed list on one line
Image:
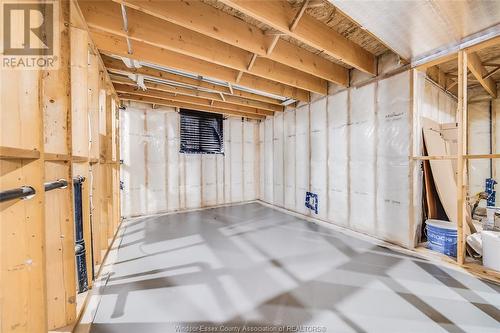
[(252, 267)]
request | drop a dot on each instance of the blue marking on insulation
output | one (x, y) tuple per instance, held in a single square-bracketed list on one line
[(490, 189), (312, 201)]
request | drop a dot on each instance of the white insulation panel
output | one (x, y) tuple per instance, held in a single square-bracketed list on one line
[(289, 152), (351, 149), (362, 161), (319, 149), (157, 178), (302, 158), (338, 158), (278, 161)]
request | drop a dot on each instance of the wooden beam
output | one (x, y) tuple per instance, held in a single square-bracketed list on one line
[(238, 77), (462, 150), (207, 20), (487, 43), (297, 17), (105, 16), (442, 79), (479, 72), (490, 73), (177, 104), (271, 47), (437, 61), (251, 62), (196, 93), (112, 44), (127, 89), (278, 14), (118, 66), (166, 87)]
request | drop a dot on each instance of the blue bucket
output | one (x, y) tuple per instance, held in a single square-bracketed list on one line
[(442, 237)]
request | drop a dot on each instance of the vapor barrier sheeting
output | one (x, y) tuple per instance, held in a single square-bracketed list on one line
[(157, 178), (351, 149)]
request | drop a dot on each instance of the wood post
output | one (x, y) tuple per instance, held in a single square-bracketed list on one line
[(461, 161)]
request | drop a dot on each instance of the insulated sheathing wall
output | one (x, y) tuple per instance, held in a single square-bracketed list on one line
[(249, 160), (338, 158), (155, 152), (268, 160), (172, 160), (289, 152), (133, 168), (319, 149), (441, 108), (262, 159), (157, 178), (278, 161), (362, 164), (302, 158), (226, 129), (393, 134), (351, 148), (236, 158), (479, 141), (433, 103), (192, 169), (209, 173)]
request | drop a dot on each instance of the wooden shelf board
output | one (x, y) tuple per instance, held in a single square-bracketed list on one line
[(18, 153)]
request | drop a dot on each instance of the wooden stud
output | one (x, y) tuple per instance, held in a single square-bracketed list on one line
[(462, 150)]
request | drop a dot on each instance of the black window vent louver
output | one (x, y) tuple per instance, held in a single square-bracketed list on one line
[(201, 132)]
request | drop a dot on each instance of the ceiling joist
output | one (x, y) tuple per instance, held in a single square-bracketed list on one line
[(279, 14), (118, 66), (480, 73), (209, 21), (105, 16), (176, 104), (207, 95), (115, 45), (128, 89)]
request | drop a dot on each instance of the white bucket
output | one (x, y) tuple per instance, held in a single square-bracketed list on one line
[(491, 249)]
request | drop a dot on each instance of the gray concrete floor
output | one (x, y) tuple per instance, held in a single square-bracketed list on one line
[(223, 269)]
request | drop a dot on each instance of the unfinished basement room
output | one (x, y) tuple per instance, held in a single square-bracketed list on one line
[(294, 166)]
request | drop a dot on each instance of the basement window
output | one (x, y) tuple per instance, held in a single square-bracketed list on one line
[(201, 132)]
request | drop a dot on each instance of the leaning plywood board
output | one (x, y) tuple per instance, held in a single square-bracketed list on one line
[(442, 170)]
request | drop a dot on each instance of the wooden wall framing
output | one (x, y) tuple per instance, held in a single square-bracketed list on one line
[(463, 156), (45, 137)]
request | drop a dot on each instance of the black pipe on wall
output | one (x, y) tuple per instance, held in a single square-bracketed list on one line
[(61, 183), (23, 192), (80, 253)]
